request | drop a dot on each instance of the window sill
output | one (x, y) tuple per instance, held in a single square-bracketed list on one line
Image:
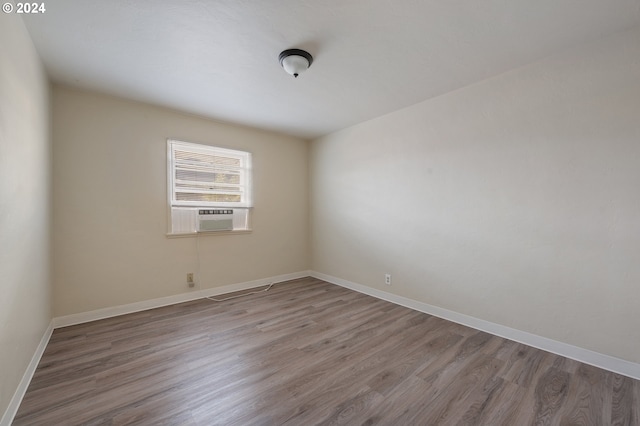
[(209, 233)]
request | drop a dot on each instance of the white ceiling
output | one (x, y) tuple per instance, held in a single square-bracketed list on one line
[(219, 58)]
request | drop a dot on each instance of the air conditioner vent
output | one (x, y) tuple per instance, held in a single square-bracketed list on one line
[(215, 220)]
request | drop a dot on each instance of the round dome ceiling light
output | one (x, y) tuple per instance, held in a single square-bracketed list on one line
[(295, 61)]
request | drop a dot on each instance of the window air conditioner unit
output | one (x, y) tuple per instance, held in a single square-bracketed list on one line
[(215, 220)]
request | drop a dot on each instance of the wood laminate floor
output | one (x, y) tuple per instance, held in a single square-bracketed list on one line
[(308, 352)]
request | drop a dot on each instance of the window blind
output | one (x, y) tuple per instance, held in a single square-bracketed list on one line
[(202, 175)]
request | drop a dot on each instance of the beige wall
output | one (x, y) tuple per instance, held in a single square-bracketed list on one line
[(25, 162), (110, 205), (515, 200)]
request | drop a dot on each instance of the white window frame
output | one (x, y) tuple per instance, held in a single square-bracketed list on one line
[(183, 215)]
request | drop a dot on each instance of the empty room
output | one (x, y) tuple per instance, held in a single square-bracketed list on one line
[(320, 212)]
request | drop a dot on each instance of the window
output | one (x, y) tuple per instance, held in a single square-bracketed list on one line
[(202, 180)]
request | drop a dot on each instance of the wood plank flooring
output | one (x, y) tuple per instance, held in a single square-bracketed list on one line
[(308, 352)]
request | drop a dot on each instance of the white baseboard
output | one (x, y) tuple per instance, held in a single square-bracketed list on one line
[(129, 308), (14, 404), (607, 362)]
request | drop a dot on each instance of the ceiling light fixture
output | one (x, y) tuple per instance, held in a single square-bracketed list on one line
[(295, 61)]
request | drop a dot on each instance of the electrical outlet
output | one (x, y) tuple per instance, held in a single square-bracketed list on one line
[(190, 279), (387, 279)]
